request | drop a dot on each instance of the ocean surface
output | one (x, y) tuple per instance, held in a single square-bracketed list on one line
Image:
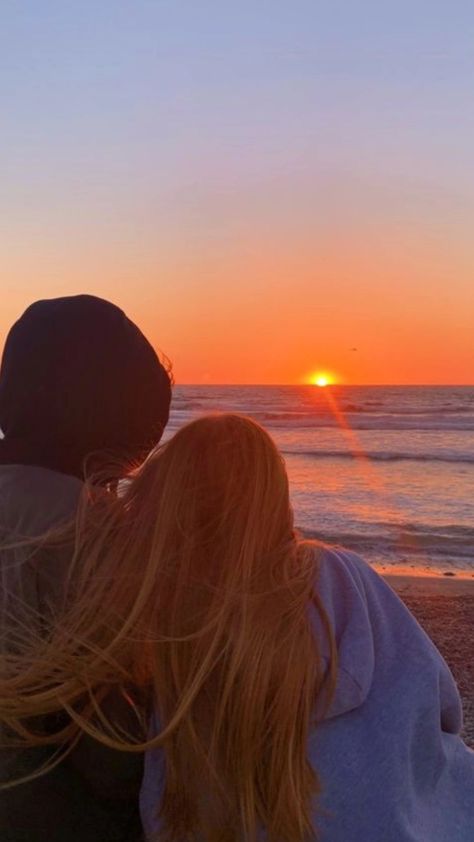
[(387, 471)]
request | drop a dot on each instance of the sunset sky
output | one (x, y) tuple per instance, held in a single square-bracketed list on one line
[(263, 186)]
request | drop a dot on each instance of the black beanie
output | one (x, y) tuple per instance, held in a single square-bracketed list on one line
[(79, 378)]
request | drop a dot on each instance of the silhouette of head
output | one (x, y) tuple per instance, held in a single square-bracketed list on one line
[(79, 381)]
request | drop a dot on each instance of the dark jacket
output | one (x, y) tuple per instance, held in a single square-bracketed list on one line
[(93, 795)]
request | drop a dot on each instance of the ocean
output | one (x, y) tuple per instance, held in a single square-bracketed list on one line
[(387, 471)]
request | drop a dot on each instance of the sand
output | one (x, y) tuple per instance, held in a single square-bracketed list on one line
[(445, 608)]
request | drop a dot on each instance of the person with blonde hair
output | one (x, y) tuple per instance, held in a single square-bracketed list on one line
[(291, 694)]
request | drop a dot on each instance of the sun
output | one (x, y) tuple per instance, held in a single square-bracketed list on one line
[(321, 379)]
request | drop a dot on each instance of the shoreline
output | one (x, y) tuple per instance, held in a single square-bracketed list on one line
[(423, 583)]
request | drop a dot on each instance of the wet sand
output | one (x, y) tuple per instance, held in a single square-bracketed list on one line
[(444, 606)]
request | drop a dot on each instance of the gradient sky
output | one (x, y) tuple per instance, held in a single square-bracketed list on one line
[(262, 185)]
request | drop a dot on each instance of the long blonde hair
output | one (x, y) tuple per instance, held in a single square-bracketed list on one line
[(193, 583)]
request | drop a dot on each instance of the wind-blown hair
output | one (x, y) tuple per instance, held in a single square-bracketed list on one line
[(193, 584)]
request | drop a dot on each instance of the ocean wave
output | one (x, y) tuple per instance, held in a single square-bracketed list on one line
[(353, 407), (449, 424), (320, 421), (448, 530), (294, 417), (187, 405), (438, 411), (385, 456), (363, 421), (456, 543)]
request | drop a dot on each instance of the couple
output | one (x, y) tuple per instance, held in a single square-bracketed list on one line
[(276, 688)]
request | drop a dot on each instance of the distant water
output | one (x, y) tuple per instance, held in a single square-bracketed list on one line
[(385, 470)]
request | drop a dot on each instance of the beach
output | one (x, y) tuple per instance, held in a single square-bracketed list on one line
[(445, 609)]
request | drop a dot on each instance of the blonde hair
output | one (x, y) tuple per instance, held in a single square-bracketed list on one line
[(193, 582)]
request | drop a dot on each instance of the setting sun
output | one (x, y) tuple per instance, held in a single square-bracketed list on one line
[(321, 378)]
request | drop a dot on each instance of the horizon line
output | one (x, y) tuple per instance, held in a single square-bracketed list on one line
[(349, 385)]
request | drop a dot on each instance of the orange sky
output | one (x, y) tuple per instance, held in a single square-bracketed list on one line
[(261, 194), (275, 310)]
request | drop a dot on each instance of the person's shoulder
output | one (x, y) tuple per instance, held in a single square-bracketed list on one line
[(347, 572), (34, 475), (347, 583), (33, 499), (355, 587), (344, 567)]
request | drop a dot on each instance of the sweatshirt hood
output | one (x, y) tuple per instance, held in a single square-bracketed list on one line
[(341, 591), (79, 378)]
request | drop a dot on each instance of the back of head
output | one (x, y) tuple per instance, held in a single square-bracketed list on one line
[(235, 665), (79, 378), (220, 489)]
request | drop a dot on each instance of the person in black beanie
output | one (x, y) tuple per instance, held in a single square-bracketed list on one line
[(81, 389)]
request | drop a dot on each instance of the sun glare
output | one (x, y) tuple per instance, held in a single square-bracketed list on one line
[(321, 379)]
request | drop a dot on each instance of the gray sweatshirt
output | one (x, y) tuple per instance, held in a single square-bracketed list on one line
[(93, 795), (389, 755)]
